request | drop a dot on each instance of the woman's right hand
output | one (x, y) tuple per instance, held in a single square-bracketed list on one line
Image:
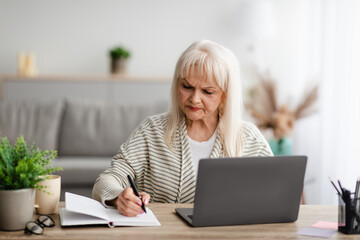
[(128, 204)]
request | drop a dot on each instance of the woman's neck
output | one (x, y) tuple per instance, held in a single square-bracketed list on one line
[(201, 130)]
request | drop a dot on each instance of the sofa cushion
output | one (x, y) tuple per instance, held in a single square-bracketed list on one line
[(37, 120), (98, 128), (81, 170)]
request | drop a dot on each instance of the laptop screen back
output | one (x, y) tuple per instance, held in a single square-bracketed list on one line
[(248, 190)]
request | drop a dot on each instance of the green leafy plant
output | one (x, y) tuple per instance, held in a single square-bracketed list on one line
[(119, 52), (24, 166)]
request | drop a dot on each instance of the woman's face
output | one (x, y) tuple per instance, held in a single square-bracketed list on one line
[(199, 98)]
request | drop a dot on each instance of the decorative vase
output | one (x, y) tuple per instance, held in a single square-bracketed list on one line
[(47, 201), (118, 65), (281, 147), (16, 208), (27, 64)]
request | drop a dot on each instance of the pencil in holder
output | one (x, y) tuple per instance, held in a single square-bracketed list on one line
[(349, 215)]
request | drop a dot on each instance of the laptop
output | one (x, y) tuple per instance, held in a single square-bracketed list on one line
[(250, 190)]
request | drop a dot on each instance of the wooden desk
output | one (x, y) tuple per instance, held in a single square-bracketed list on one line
[(172, 227)]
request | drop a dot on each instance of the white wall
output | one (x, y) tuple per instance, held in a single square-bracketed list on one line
[(73, 38)]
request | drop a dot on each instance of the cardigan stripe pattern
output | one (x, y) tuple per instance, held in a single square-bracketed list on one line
[(166, 174)]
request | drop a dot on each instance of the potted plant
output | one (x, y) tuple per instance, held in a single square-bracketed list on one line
[(22, 167), (119, 56)]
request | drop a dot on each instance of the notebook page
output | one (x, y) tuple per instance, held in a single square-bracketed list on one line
[(144, 219), (85, 205), (68, 218)]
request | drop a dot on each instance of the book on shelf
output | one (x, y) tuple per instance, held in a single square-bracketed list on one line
[(80, 210)]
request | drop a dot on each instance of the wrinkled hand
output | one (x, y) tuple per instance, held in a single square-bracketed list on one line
[(128, 204)]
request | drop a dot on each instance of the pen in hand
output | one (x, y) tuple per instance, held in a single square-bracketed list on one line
[(134, 188)]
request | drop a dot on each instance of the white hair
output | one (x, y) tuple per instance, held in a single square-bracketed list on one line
[(220, 63)]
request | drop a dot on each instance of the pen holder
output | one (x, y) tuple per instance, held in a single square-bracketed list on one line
[(348, 216)]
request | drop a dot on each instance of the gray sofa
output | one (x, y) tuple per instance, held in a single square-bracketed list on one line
[(86, 133)]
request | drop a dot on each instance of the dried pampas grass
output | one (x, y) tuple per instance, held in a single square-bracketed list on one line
[(265, 109)]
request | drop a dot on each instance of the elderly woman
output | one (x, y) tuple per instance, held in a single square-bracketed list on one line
[(204, 121)]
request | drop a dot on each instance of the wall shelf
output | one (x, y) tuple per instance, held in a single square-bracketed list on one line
[(110, 87)]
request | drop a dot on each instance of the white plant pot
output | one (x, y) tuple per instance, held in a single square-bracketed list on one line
[(16, 208)]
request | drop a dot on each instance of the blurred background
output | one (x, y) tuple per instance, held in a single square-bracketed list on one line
[(299, 44)]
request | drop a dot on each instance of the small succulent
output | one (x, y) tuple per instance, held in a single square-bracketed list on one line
[(119, 52)]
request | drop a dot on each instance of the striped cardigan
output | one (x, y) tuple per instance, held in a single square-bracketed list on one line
[(167, 175)]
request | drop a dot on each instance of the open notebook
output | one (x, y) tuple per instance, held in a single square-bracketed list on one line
[(80, 210)]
